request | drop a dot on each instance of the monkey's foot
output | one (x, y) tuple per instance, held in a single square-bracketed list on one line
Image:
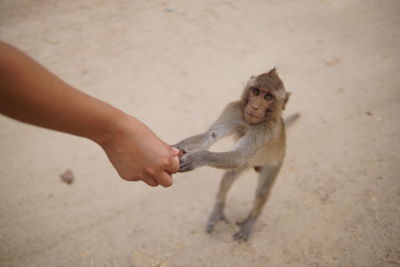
[(245, 229), (216, 215)]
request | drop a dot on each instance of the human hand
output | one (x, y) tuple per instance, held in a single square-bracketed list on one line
[(138, 154)]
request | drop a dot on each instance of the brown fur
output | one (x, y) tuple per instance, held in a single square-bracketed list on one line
[(256, 122)]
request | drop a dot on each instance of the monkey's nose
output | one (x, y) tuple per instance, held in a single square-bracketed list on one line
[(254, 107)]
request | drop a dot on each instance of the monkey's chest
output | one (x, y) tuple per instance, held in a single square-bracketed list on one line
[(271, 154)]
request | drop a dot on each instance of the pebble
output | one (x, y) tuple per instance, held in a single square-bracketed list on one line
[(67, 177)]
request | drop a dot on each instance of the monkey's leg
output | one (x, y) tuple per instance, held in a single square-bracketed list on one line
[(218, 211), (266, 180)]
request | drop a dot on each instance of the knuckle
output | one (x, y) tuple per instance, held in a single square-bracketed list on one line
[(130, 178), (165, 162), (126, 178), (152, 184), (126, 175), (148, 171)]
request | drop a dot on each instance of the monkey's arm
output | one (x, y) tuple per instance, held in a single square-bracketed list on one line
[(223, 126), (245, 148), (203, 141)]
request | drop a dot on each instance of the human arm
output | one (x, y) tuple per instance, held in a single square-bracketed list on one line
[(31, 94)]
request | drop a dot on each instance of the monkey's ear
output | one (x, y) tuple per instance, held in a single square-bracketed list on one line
[(251, 81), (286, 100), (273, 71)]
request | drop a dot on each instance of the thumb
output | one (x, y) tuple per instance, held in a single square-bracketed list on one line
[(174, 160)]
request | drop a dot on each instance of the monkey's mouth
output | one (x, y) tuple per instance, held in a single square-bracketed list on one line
[(246, 113), (252, 115)]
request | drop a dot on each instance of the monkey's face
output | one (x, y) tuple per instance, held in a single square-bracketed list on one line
[(259, 104)]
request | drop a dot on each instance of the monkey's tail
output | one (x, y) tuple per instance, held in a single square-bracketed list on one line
[(292, 118)]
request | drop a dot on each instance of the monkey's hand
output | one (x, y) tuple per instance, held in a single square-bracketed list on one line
[(191, 160)]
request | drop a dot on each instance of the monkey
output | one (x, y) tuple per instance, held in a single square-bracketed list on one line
[(256, 122)]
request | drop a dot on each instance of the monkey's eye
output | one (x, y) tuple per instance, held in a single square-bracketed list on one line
[(255, 91), (268, 97)]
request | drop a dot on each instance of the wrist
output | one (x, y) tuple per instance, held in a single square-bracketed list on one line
[(113, 126)]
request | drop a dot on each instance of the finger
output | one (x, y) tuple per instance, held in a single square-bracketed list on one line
[(185, 169), (175, 151), (173, 165), (150, 181), (164, 179)]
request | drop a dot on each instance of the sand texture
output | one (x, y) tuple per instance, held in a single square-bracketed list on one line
[(174, 65)]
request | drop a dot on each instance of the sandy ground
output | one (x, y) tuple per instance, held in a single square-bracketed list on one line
[(174, 65)]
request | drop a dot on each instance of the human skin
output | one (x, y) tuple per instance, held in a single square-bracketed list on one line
[(31, 94)]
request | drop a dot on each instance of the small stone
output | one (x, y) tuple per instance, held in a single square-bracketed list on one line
[(369, 113), (333, 61), (67, 177), (170, 9)]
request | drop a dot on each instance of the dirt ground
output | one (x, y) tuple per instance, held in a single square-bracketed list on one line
[(174, 65)]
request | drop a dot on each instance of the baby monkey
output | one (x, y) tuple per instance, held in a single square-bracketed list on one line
[(256, 122)]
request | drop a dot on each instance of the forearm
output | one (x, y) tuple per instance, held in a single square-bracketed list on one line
[(32, 94), (205, 140), (244, 149), (196, 142), (224, 160)]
